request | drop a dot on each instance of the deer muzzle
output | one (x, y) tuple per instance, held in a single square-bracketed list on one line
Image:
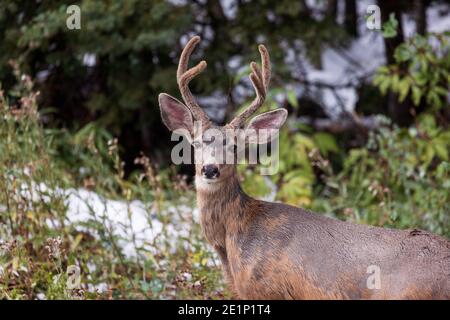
[(210, 171)]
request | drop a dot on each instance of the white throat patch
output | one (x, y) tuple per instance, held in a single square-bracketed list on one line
[(203, 184)]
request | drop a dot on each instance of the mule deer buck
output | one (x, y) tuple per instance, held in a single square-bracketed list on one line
[(276, 251)]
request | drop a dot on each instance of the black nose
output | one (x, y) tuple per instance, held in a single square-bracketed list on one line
[(210, 171)]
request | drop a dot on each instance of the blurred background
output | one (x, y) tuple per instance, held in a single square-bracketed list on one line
[(86, 176)]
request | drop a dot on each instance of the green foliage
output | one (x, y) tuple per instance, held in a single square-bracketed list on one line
[(421, 71), (390, 27), (295, 177), (294, 180), (326, 143), (131, 42), (400, 179)]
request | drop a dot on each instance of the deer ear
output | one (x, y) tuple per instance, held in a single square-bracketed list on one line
[(174, 114), (263, 128)]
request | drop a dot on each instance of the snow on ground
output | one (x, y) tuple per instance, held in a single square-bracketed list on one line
[(136, 225), (130, 222), (133, 222)]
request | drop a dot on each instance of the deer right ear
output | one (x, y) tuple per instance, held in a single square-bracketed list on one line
[(265, 125), (174, 114)]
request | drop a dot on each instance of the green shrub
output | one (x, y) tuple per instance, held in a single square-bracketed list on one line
[(39, 240), (422, 71), (400, 179)]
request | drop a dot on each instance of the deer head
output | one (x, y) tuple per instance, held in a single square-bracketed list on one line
[(211, 141)]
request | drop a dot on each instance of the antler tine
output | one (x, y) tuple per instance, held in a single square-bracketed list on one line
[(185, 75), (260, 80)]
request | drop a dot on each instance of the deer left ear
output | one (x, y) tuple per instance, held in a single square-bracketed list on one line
[(265, 125), (174, 114)]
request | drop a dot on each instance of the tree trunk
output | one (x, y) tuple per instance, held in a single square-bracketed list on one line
[(351, 17), (420, 8), (305, 9), (398, 112), (387, 7), (332, 10)]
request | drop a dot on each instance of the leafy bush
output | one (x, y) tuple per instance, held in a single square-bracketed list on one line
[(422, 70), (42, 236), (400, 179)]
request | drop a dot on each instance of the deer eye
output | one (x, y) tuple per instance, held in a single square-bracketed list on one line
[(196, 144), (228, 144)]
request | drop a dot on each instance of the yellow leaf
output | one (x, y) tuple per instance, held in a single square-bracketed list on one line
[(76, 242)]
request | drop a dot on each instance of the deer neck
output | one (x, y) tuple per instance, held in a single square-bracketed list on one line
[(222, 208)]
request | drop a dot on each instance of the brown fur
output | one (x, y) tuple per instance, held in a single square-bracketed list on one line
[(275, 251)]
